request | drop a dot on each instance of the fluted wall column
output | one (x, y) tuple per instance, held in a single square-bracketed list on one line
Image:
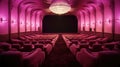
[(9, 20)]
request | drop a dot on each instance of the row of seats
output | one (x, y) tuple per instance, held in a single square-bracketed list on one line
[(36, 38), (98, 59), (22, 59), (23, 45), (28, 52), (90, 50), (26, 47), (91, 42)]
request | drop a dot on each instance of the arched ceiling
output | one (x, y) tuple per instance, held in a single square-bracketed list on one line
[(44, 4)]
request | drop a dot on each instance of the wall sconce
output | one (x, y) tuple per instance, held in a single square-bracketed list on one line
[(108, 21), (28, 24), (12, 21), (21, 23), (87, 24), (33, 25), (37, 24), (93, 23), (99, 22), (83, 24), (2, 20)]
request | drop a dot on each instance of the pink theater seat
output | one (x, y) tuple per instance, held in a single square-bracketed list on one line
[(27, 47), (48, 48), (109, 58), (110, 45), (118, 46), (5, 46), (73, 48), (16, 46), (22, 59), (83, 46), (11, 59), (16, 41), (91, 37), (96, 48), (37, 45), (34, 59), (103, 40), (22, 38), (85, 58)]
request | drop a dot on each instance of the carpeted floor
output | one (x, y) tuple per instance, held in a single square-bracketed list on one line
[(60, 56)]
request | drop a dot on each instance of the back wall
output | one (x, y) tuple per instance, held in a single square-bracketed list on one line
[(60, 24)]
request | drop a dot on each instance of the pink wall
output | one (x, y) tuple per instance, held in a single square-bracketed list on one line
[(92, 20), (14, 28), (14, 20), (33, 21), (38, 21), (4, 16), (87, 22), (28, 21), (117, 15), (108, 17), (99, 20), (14, 16), (22, 20), (82, 21)]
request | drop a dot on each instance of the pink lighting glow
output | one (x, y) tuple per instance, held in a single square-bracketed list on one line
[(28, 24), (87, 25), (12, 21), (33, 25), (2, 20), (117, 20), (22, 23), (37, 24), (99, 22)]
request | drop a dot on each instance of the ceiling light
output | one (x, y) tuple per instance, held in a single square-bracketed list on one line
[(60, 7)]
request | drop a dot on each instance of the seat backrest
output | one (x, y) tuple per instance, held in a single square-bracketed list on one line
[(109, 59), (34, 58), (85, 58), (5, 46), (11, 59)]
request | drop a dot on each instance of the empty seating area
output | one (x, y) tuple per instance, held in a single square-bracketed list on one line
[(92, 50), (89, 50), (27, 51)]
